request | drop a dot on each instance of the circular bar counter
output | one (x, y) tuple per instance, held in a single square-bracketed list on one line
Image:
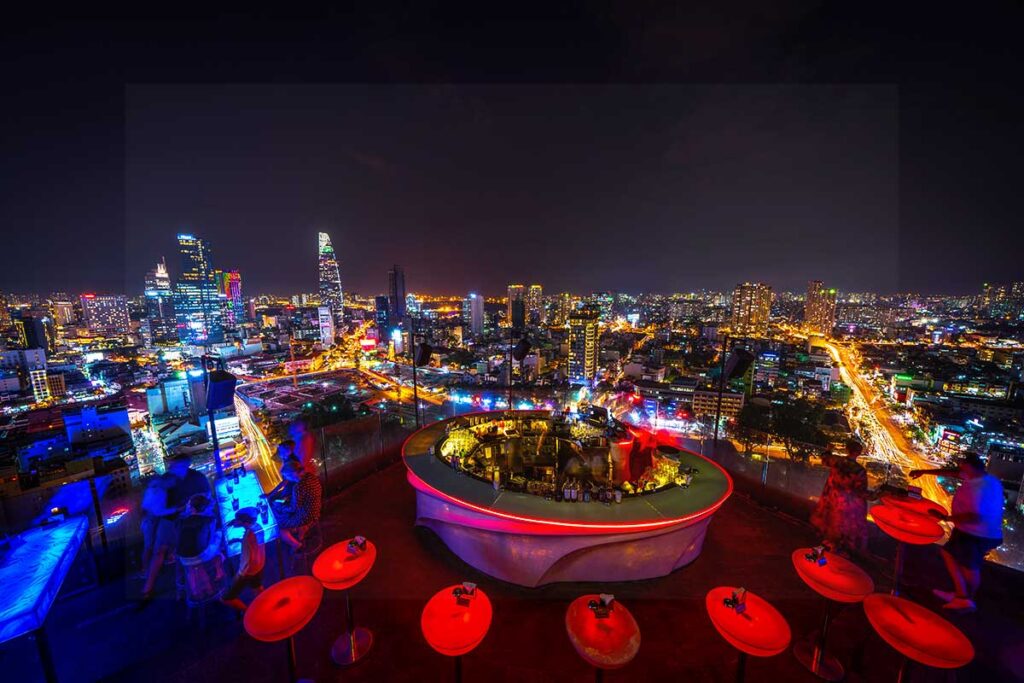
[(530, 540)]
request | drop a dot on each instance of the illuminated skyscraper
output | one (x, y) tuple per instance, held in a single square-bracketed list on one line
[(5, 313), (473, 313), (820, 308), (563, 308), (159, 324), (396, 294), (196, 299), (583, 349), (515, 309), (751, 307), (383, 315), (330, 278), (106, 314), (229, 287), (535, 305)]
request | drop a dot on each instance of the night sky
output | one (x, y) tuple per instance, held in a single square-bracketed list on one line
[(610, 149)]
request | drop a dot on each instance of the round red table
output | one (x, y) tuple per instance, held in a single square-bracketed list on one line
[(919, 505), (282, 610), (609, 642), (454, 624), (917, 633), (338, 568), (837, 580), (906, 526), (759, 630)]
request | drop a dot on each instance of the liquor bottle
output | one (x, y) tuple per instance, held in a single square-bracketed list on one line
[(618, 495), (559, 493), (586, 493), (234, 473)]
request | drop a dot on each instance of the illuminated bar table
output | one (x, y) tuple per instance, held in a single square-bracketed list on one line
[(752, 626), (249, 494), (603, 631), (917, 633), (921, 506), (31, 576), (906, 527), (837, 580)]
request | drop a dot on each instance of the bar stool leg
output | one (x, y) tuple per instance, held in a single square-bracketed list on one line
[(902, 674), (813, 655), (898, 571), (292, 674), (741, 667), (598, 675), (354, 643), (458, 669)]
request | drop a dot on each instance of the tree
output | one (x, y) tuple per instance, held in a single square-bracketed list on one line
[(797, 424), (752, 423)]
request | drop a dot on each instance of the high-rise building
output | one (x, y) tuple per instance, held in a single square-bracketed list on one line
[(515, 309), (229, 288), (159, 325), (5, 312), (330, 278), (396, 294), (63, 312), (35, 330), (820, 308), (563, 308), (383, 315), (751, 307), (473, 313), (196, 299), (326, 322), (40, 388), (535, 305), (583, 349), (106, 314)]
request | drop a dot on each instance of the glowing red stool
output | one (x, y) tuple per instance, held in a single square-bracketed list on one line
[(455, 620), (905, 526), (836, 579), (282, 610), (603, 632), (917, 633), (747, 622), (339, 568)]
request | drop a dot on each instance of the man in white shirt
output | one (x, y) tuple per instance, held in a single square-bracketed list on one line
[(977, 516)]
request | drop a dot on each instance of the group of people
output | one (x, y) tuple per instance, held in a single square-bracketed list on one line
[(976, 514), (180, 525)]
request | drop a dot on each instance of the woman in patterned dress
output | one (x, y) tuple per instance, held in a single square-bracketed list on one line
[(841, 514)]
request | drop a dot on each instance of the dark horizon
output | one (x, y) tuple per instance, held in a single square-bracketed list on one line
[(780, 149)]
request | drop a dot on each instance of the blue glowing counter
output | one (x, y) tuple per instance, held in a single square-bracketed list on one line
[(249, 493), (31, 575)]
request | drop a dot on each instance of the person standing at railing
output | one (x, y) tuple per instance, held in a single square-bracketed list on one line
[(977, 517), (841, 513)]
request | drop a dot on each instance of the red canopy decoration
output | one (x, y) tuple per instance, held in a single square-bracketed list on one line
[(917, 632), (342, 566), (838, 579), (607, 643), (758, 630), (452, 626), (283, 609)]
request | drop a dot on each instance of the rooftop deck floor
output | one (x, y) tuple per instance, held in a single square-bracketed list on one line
[(101, 635)]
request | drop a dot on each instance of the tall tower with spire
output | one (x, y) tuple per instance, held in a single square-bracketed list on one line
[(330, 278)]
